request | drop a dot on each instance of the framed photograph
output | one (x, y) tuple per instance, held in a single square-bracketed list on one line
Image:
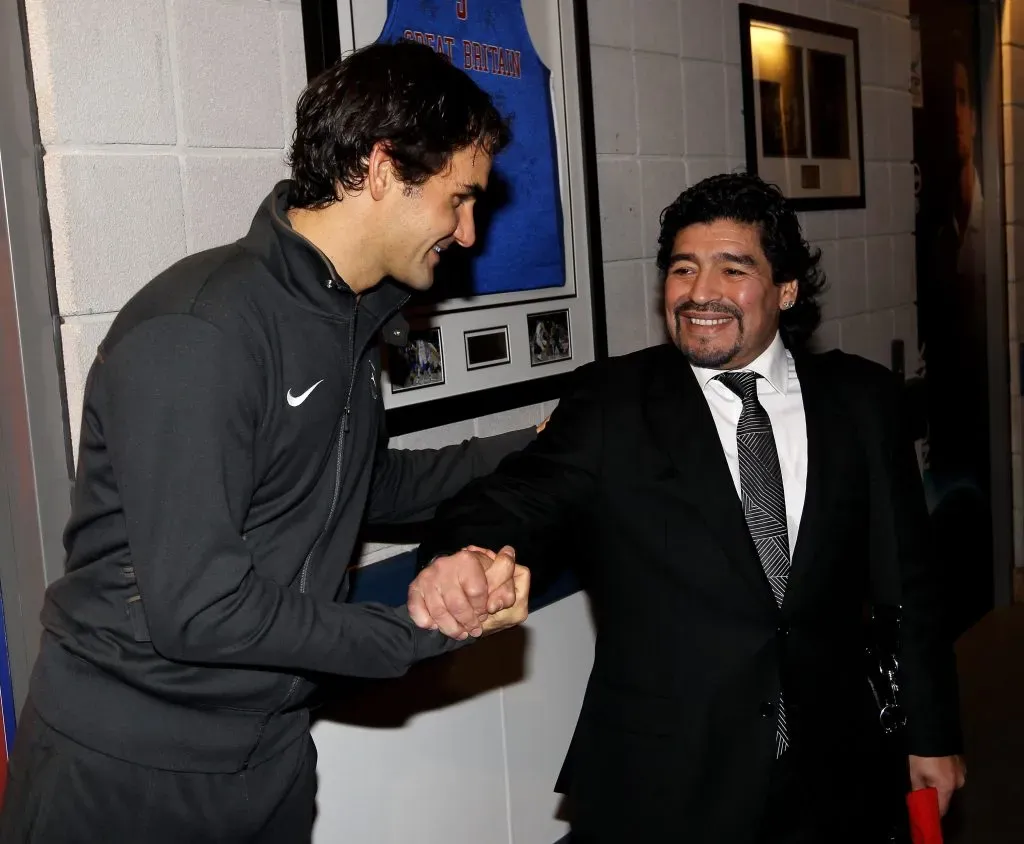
[(537, 259), (802, 107), (550, 337), (417, 364), (487, 347)]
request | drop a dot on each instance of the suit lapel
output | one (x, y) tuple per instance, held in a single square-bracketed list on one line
[(684, 428), (813, 390)]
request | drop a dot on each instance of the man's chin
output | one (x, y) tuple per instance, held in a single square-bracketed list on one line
[(707, 357), (418, 284)]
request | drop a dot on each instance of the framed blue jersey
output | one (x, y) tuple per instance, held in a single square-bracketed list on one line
[(509, 319), (519, 232)]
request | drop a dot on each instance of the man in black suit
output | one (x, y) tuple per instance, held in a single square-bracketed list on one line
[(735, 507)]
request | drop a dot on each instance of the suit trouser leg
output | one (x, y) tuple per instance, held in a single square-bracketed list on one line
[(60, 792), (787, 820), (798, 807)]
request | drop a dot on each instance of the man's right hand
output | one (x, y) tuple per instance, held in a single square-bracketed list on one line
[(457, 593)]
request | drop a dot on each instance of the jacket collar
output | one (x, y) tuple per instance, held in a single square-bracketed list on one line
[(304, 271), (683, 426)]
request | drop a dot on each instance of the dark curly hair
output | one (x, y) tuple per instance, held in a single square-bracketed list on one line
[(403, 94), (744, 198)]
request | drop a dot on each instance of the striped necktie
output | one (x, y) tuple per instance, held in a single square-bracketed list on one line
[(764, 499)]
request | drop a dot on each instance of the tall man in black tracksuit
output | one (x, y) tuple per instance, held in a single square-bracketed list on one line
[(232, 446)]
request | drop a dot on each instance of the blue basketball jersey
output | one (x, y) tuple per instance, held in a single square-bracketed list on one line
[(519, 224)]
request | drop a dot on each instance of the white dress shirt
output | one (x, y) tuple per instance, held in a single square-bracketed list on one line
[(778, 390)]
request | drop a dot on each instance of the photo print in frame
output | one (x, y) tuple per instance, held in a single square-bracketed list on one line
[(802, 107)]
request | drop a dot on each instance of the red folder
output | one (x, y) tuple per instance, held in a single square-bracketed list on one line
[(925, 825)]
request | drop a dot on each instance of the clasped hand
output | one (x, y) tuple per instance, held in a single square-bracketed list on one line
[(471, 593)]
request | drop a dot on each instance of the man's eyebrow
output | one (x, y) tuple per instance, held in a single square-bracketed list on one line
[(726, 257), (474, 189), (682, 256), (734, 258)]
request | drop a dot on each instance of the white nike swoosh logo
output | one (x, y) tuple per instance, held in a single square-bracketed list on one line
[(295, 401)]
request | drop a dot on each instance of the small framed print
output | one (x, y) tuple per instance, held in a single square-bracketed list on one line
[(418, 364), (802, 107), (550, 337), (487, 347)]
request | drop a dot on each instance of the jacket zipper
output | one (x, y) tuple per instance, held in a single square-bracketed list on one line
[(304, 573)]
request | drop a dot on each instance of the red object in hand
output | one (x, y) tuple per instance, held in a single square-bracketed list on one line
[(925, 825)]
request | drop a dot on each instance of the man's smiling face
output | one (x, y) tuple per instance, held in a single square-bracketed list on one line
[(721, 302)]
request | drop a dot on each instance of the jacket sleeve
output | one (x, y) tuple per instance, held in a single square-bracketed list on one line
[(181, 408), (408, 484), (928, 677), (533, 493)]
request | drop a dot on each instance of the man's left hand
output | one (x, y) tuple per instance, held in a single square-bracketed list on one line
[(943, 773)]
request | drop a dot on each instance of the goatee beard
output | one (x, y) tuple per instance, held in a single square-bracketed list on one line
[(707, 358)]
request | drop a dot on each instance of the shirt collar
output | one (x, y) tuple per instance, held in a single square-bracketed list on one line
[(772, 365)]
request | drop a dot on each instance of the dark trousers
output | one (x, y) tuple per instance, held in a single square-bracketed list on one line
[(59, 792), (798, 810), (787, 819)]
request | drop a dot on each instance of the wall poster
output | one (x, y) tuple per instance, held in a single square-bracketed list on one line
[(535, 268), (951, 298)]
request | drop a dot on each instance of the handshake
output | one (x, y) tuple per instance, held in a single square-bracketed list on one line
[(471, 593)]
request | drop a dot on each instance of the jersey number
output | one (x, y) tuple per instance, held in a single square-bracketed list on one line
[(460, 9)]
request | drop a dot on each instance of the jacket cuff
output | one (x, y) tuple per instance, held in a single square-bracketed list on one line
[(428, 643)]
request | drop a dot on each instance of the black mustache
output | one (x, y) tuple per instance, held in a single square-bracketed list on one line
[(717, 308)]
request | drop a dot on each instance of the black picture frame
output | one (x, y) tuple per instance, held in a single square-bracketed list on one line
[(786, 156), (322, 49)]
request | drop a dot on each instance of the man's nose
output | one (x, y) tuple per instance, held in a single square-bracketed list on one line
[(706, 287), (465, 232)]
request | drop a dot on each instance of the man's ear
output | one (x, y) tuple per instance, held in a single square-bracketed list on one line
[(787, 294), (380, 171)]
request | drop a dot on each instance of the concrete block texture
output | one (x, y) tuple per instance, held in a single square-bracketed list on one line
[(222, 193), (626, 306), (229, 72), (657, 331), (901, 126), (293, 53), (102, 71), (659, 93), (619, 198), (615, 128), (611, 22), (736, 138), (881, 291), (705, 28), (657, 30), (849, 287), (80, 337), (904, 265), (705, 98), (662, 180), (117, 221), (876, 124)]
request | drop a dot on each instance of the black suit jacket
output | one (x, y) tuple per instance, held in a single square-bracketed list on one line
[(675, 740)]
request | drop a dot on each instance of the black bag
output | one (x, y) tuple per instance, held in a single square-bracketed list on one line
[(881, 665)]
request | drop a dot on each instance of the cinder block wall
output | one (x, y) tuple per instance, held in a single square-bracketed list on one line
[(668, 102), (164, 123)]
